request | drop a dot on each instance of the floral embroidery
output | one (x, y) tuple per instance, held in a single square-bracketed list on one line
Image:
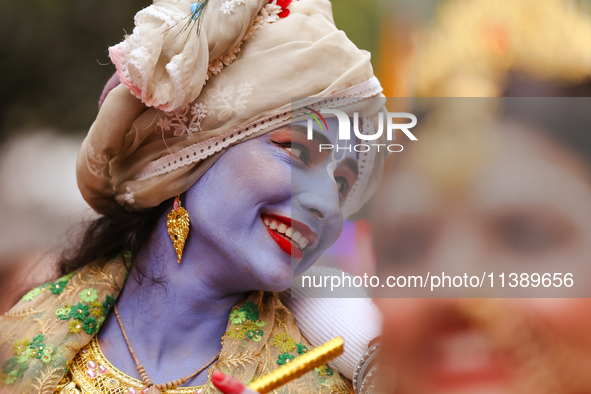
[(35, 292), (177, 120), (284, 342), (39, 354), (284, 358), (43, 354), (20, 346), (237, 317), (301, 348), (98, 163), (89, 295), (23, 358), (108, 304), (96, 309), (36, 349), (325, 370), (229, 7), (80, 311), (237, 332), (255, 335), (30, 295), (10, 378), (75, 326), (128, 196), (58, 286), (10, 365), (13, 370), (37, 341), (250, 310), (230, 99), (245, 323), (63, 313), (90, 325)]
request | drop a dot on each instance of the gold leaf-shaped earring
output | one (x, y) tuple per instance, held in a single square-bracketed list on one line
[(178, 227)]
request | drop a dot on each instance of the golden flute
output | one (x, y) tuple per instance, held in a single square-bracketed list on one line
[(299, 366)]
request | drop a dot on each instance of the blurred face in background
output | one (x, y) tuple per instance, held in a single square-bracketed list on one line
[(513, 201)]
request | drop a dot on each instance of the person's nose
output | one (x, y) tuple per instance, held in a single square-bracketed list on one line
[(319, 197)]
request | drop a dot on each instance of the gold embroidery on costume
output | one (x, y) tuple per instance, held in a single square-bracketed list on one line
[(48, 380), (45, 330), (92, 373), (43, 339)]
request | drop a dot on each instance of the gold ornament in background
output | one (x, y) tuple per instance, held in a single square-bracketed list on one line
[(178, 227), (473, 44)]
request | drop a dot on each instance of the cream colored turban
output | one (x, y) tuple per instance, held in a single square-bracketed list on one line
[(207, 84)]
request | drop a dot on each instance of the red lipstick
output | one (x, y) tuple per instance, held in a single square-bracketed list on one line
[(291, 235)]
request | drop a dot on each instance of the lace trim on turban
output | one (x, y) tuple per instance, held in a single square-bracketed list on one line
[(202, 150)]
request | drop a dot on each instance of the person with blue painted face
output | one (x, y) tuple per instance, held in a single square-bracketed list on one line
[(211, 195)]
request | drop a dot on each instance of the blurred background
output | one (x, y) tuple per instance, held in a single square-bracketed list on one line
[(54, 61), (495, 186)]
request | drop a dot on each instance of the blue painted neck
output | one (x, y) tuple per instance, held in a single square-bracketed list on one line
[(175, 326)]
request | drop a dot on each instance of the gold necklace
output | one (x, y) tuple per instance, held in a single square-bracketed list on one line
[(156, 388)]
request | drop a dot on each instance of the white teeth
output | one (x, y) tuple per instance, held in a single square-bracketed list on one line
[(303, 242), (289, 233), (296, 236)]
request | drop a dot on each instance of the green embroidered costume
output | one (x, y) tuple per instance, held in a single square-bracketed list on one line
[(46, 339)]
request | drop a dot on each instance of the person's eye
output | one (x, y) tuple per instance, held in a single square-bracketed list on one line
[(342, 185), (295, 150)]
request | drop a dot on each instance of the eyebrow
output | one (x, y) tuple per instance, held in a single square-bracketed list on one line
[(351, 165), (316, 136)]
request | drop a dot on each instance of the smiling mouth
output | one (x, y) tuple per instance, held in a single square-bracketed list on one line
[(293, 237)]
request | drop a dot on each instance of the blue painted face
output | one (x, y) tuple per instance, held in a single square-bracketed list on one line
[(269, 207)]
